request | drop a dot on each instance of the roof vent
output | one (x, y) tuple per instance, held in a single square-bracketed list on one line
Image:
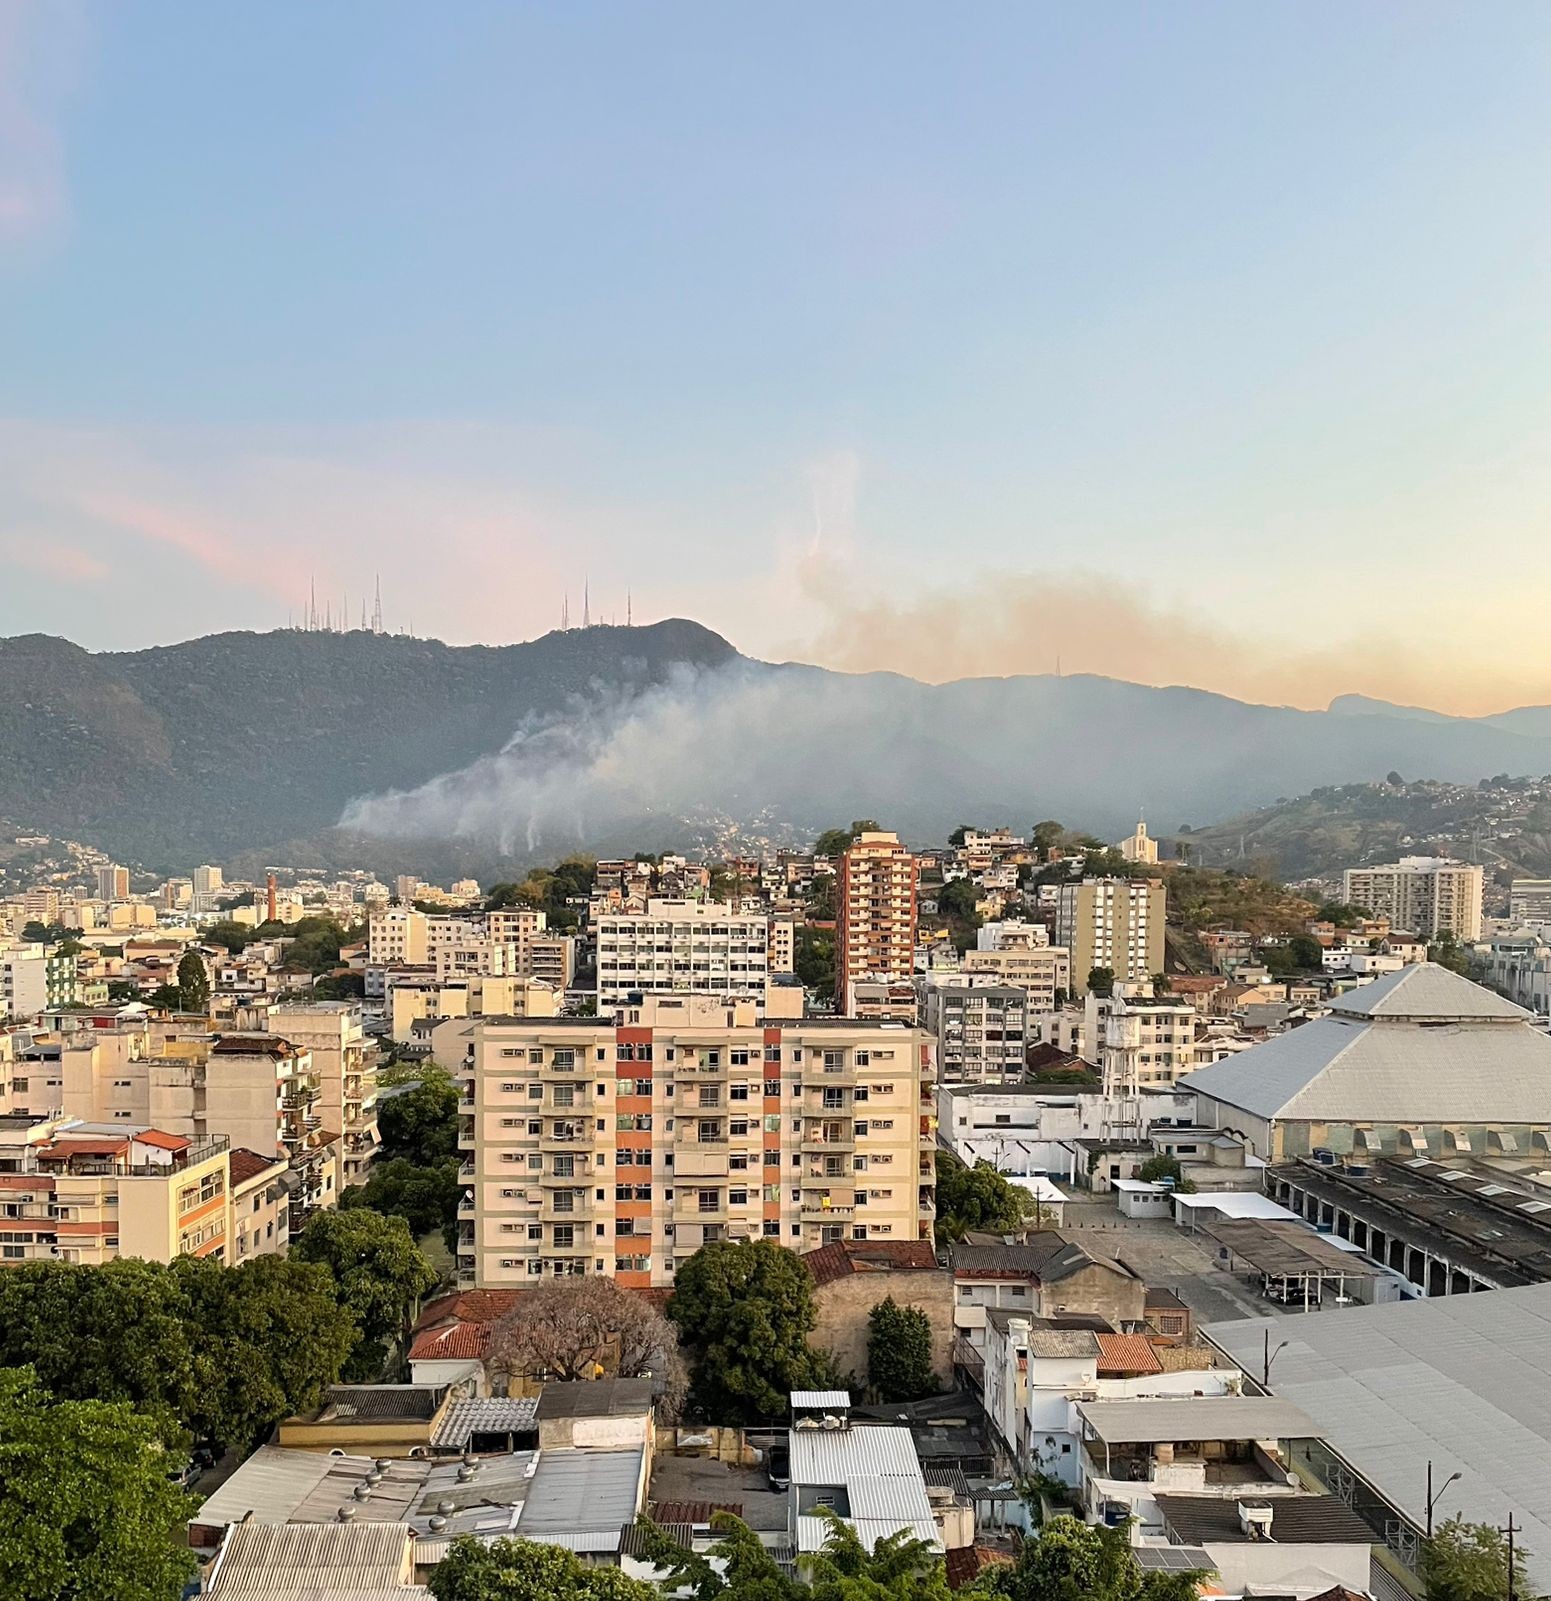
[(347, 1514), (438, 1523), (383, 1463), (446, 1506), (362, 1492), (1255, 1519), (465, 1473)]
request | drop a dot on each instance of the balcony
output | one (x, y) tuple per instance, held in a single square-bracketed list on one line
[(816, 1208), (831, 1137), (565, 1206), (553, 1071), (466, 1205), (702, 1160), (566, 1136)]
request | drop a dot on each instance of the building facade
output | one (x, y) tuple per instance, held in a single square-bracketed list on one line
[(980, 1028), (682, 947), (1111, 922), (619, 1146), (875, 914), (1426, 895)]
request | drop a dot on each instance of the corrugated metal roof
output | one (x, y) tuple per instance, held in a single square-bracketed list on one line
[(270, 1485), (1463, 1381), (812, 1532), (821, 1398), (840, 1456), (601, 1487), (350, 1562), (508, 1414), (1196, 1417)]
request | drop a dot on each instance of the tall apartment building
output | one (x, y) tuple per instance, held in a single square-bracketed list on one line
[(90, 1193), (1426, 895), (682, 947), (981, 1029), (208, 880), (1144, 1042), (1111, 922), (875, 914), (1529, 902), (1039, 970), (344, 1066), (23, 982), (112, 883), (621, 1146), (401, 936)]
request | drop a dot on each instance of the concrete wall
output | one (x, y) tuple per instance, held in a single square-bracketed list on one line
[(1114, 1296), (844, 1305)]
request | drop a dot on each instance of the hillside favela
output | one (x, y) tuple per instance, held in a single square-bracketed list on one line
[(775, 803)]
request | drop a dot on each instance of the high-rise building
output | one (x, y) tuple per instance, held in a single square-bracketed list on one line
[(1425, 895), (682, 947), (1039, 970), (1111, 922), (208, 880), (875, 915), (981, 1028), (620, 1146), (343, 1064), (112, 883), (1529, 902)]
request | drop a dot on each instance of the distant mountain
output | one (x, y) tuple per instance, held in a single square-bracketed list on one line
[(318, 749)]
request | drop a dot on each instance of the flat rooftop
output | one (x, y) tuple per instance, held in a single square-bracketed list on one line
[(1209, 1417)]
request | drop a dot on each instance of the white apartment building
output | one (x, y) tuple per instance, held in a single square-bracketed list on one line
[(1039, 970), (1529, 902), (1145, 1042), (682, 947), (1010, 934), (1111, 922), (1426, 895), (23, 982), (621, 1145)]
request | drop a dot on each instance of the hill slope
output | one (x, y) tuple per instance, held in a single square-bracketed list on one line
[(614, 737)]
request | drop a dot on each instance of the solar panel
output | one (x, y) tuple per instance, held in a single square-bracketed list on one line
[(1172, 1559)]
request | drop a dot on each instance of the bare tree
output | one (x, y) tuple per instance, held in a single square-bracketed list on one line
[(589, 1328)]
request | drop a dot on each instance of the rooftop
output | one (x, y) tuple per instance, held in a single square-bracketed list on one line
[(1295, 1519), (1208, 1417), (597, 1398)]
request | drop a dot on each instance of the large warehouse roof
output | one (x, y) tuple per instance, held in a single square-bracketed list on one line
[(1419, 1046), (1463, 1381)]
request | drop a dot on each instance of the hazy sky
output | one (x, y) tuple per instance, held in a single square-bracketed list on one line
[(1191, 343)]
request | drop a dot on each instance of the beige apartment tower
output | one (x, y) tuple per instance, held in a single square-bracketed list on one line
[(1112, 922), (1425, 895), (875, 915), (621, 1146)]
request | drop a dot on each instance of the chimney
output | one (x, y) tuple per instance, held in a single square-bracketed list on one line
[(269, 883)]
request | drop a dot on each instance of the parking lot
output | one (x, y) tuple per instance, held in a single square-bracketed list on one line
[(694, 1478)]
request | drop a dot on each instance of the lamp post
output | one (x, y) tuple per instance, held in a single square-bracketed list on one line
[(1433, 1499), (1270, 1357)]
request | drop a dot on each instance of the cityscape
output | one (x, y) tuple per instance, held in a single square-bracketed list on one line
[(775, 803)]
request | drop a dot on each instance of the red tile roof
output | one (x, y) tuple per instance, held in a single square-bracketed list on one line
[(163, 1142), (68, 1147), (457, 1342), (1121, 1354), (844, 1257), (246, 1164), (693, 1512), (467, 1306), (966, 1562)]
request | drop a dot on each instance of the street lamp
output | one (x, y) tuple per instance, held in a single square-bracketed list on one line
[(1270, 1357), (1433, 1499)]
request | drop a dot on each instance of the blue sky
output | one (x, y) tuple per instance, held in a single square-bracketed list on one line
[(942, 339)]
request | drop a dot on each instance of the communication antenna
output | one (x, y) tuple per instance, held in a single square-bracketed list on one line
[(629, 622), (377, 609), (586, 605)]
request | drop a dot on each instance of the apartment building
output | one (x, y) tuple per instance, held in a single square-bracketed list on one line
[(1146, 1042), (980, 1028), (620, 1146), (422, 1000), (1040, 971), (344, 1067), (112, 883), (23, 982), (875, 914), (90, 1193), (1529, 902), (1111, 922), (1426, 895), (682, 946)]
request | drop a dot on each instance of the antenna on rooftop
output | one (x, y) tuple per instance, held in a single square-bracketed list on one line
[(377, 609)]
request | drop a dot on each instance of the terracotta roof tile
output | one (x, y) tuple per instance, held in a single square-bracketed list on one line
[(844, 1257), (457, 1342), (966, 1562), (1121, 1354), (246, 1164)]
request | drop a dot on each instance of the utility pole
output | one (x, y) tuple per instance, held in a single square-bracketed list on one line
[(1433, 1500), (1510, 1531), (1270, 1357)]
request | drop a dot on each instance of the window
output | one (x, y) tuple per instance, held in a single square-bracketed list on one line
[(860, 1093), (565, 1234), (772, 1087), (737, 1197), (709, 1201), (738, 1058), (738, 1092), (643, 1086)]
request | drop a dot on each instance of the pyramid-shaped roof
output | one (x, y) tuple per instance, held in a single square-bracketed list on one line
[(1419, 1046)]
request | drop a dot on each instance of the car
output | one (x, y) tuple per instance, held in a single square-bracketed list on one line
[(778, 1467)]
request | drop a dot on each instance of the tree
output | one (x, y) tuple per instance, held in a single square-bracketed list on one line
[(1469, 1562), (165, 998), (87, 1510), (899, 1352), (1394, 780), (339, 987), (1076, 1561), (1101, 980), (835, 840), (236, 937), (1447, 952), (422, 1123), (426, 1197), (957, 898), (1307, 953), (379, 1274), (193, 983), (583, 1328), (525, 1570), (1165, 1167), (34, 932), (975, 1198), (745, 1310), (957, 837), (1048, 835), (1162, 984), (813, 961)]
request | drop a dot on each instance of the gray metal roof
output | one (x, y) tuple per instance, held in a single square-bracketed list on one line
[(1480, 1063), (1295, 1520), (1198, 1417), (495, 1414), (1463, 1381), (596, 1398), (881, 1473), (580, 1491), (353, 1562), (821, 1399)]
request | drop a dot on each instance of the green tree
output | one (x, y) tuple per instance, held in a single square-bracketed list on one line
[(957, 837), (899, 1352), (1447, 952), (957, 899), (1469, 1562), (422, 1123), (813, 960), (426, 1197), (193, 983), (744, 1311), (34, 932), (1165, 1166), (87, 1510), (339, 987), (1339, 913), (379, 1274), (525, 1570), (1048, 835), (1075, 1561), (236, 937), (835, 840), (975, 1198), (165, 998), (1101, 980)]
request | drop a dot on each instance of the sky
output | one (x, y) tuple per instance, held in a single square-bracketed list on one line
[(1199, 343)]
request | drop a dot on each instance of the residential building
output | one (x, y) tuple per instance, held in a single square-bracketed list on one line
[(620, 1145), (1418, 1063), (90, 1192), (682, 947), (1519, 966), (208, 881), (980, 1028), (850, 1277), (23, 982), (1046, 1275), (1139, 847), (112, 883), (1426, 895), (1043, 971), (876, 999), (875, 914), (1146, 1041), (344, 1068), (1114, 923), (261, 1209), (415, 1001), (1529, 902)]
